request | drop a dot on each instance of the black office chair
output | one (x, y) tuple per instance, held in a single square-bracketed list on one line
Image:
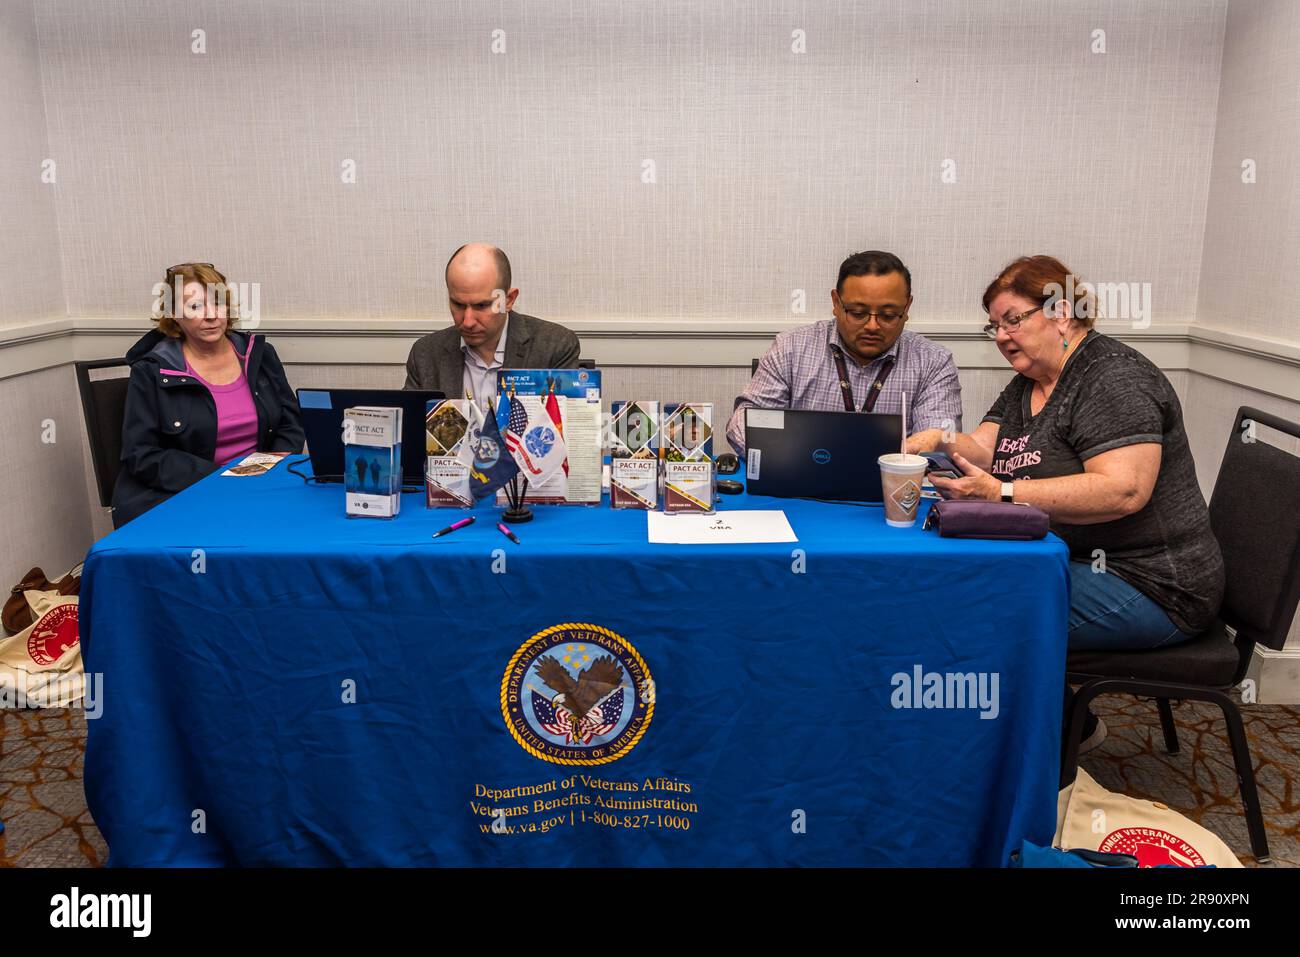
[(103, 403), (1255, 514)]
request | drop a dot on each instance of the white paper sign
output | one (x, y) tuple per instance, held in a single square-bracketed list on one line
[(721, 528), (765, 418)]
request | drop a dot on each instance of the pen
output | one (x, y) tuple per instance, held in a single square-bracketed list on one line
[(455, 525), (507, 533)]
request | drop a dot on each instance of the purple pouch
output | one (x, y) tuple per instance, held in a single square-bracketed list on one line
[(1007, 521)]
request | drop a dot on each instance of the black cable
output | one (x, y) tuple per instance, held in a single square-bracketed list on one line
[(325, 479), (309, 479)]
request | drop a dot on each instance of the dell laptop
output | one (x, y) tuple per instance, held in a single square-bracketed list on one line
[(803, 453)]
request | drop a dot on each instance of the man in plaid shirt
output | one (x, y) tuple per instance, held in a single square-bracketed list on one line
[(880, 358)]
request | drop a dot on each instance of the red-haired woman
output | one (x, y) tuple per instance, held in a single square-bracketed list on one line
[(1091, 432)]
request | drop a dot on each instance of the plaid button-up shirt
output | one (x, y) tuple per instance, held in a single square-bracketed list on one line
[(798, 372)]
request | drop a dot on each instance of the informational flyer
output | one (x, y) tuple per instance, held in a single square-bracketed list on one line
[(577, 394), (448, 456), (634, 454), (258, 463), (372, 457), (686, 437)]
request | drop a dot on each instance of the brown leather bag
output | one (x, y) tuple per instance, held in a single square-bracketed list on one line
[(17, 614)]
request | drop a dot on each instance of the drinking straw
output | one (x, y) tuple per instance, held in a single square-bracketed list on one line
[(903, 450)]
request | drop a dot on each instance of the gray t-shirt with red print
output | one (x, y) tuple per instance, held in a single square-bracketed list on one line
[(1109, 396)]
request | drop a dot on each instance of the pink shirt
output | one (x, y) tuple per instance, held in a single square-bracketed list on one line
[(236, 417)]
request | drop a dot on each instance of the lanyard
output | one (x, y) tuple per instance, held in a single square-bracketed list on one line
[(846, 388)]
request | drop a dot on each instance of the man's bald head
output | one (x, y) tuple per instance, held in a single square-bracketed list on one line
[(474, 257), (479, 295)]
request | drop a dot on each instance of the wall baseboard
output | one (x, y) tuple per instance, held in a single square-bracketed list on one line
[(1271, 366), (1276, 675)]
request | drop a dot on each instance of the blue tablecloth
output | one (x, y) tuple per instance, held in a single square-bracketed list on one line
[(283, 685)]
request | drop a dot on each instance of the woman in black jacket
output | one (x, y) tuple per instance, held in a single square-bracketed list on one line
[(201, 395)]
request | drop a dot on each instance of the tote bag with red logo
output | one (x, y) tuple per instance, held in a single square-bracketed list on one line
[(1090, 817), (41, 665)]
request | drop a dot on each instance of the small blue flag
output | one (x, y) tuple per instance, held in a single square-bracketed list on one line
[(503, 411), (493, 465)]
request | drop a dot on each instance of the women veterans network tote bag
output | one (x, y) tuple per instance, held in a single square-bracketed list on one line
[(17, 612), (40, 666), (1090, 817)]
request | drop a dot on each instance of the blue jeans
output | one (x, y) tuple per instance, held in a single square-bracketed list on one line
[(1109, 614)]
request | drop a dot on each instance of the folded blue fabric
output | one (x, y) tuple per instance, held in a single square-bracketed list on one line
[(1031, 855)]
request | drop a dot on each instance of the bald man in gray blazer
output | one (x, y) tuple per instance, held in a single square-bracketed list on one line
[(486, 333)]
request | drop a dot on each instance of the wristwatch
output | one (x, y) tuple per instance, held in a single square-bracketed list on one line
[(1008, 493)]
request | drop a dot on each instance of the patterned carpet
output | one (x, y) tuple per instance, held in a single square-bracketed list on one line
[(1200, 781), (46, 822), (42, 804)]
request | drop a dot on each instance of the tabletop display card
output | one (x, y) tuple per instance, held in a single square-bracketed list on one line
[(686, 446), (577, 393), (634, 454), (446, 445), (372, 461)]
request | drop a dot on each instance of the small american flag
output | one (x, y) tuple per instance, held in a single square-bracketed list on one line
[(601, 719), (516, 426)]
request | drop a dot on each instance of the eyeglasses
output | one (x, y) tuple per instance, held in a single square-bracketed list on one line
[(171, 270), (1010, 324), (883, 318)]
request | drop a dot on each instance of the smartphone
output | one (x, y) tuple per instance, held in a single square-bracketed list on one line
[(942, 466)]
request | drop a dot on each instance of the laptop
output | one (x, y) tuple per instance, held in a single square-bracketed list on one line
[(803, 453), (322, 421)]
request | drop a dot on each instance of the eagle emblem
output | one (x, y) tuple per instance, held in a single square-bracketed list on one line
[(577, 693), (580, 705)]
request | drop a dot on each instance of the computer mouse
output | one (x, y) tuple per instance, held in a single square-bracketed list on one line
[(728, 464)]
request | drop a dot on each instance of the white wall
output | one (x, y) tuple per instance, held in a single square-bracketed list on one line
[(43, 509), (1251, 251), (771, 165), (31, 286)]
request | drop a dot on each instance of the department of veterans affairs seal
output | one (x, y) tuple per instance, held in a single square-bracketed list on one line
[(577, 693)]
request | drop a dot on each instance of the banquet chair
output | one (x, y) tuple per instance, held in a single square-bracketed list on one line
[(1255, 515), (103, 404)]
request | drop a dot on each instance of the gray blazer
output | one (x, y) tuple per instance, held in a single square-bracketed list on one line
[(436, 362)]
